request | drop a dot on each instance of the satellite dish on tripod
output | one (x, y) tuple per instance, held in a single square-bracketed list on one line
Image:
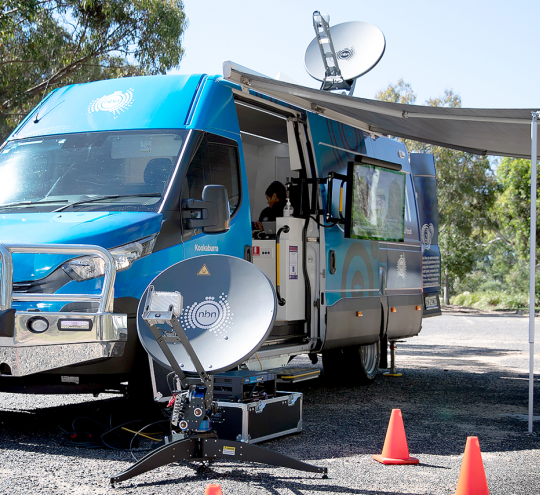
[(339, 55), (229, 308), (205, 315)]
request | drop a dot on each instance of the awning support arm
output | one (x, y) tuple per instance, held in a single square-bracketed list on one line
[(532, 273)]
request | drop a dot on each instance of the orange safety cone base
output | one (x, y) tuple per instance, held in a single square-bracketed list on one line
[(213, 489), (472, 477), (395, 450), (388, 460)]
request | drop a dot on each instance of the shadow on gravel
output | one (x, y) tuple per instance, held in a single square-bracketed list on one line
[(51, 429), (440, 409), (260, 480), (451, 352)]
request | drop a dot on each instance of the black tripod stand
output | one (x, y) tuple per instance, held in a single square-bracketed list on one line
[(192, 410)]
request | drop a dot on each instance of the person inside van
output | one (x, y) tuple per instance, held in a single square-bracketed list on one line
[(276, 196)]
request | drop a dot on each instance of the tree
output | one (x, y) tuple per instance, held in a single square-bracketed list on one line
[(512, 208), (466, 189), (514, 205), (49, 43)]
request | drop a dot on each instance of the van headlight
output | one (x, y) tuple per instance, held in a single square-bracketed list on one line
[(88, 267)]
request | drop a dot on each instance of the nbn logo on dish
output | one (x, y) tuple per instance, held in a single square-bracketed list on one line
[(207, 314)]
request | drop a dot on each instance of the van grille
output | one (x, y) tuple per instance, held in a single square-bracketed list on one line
[(24, 287), (46, 285)]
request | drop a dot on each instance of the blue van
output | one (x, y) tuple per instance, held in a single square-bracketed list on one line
[(104, 185)]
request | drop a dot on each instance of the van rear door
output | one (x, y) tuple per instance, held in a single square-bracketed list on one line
[(425, 185)]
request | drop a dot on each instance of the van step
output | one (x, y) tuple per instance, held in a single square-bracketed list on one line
[(295, 374)]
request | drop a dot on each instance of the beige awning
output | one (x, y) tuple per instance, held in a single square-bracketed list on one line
[(500, 132)]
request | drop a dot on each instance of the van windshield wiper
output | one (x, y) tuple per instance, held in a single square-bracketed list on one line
[(32, 203), (112, 196)]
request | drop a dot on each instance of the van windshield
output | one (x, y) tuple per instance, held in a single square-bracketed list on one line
[(134, 166)]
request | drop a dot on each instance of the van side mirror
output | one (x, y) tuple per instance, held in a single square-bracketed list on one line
[(212, 214)]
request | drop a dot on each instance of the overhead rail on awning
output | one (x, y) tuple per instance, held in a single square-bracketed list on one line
[(499, 132)]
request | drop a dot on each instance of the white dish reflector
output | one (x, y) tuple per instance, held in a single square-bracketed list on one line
[(358, 45)]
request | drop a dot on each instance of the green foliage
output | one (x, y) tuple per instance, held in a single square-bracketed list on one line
[(491, 300), (401, 92), (514, 205), (503, 261), (49, 43), (466, 189)]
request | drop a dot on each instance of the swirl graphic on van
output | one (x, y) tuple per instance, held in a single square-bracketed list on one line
[(427, 236), (354, 275), (115, 103), (211, 314)]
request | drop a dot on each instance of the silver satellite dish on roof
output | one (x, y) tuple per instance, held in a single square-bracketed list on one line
[(339, 55)]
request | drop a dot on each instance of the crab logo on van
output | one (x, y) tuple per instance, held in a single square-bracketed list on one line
[(114, 103), (402, 267)]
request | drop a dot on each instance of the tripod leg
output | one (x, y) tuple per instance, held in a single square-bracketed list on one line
[(225, 449), (171, 452)]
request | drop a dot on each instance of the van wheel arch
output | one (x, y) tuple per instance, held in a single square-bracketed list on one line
[(383, 362)]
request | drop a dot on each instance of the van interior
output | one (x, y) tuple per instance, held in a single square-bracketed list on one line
[(265, 139)]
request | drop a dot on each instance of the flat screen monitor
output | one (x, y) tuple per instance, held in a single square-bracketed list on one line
[(375, 207)]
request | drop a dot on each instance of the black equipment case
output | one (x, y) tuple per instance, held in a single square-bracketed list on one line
[(261, 420)]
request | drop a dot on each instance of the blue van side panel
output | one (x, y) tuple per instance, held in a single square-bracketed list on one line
[(231, 243), (215, 110), (389, 150), (330, 140), (149, 102), (357, 267), (357, 261), (370, 276)]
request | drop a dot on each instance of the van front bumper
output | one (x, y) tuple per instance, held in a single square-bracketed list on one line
[(24, 351), (36, 341)]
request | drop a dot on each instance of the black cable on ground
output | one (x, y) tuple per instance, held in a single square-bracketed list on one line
[(138, 433), (96, 436)]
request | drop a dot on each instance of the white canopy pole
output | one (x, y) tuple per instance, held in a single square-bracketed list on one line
[(532, 285)]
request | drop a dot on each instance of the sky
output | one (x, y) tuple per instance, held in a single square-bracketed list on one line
[(486, 51)]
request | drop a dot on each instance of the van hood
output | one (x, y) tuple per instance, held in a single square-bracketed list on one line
[(105, 229)]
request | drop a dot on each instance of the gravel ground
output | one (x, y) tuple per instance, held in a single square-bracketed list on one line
[(466, 374)]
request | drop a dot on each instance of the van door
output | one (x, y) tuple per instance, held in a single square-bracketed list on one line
[(272, 160), (216, 161)]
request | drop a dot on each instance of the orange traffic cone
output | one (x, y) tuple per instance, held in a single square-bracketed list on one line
[(395, 450), (472, 477), (213, 489)]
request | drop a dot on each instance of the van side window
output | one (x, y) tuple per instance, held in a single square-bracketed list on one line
[(215, 162), (411, 221)]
